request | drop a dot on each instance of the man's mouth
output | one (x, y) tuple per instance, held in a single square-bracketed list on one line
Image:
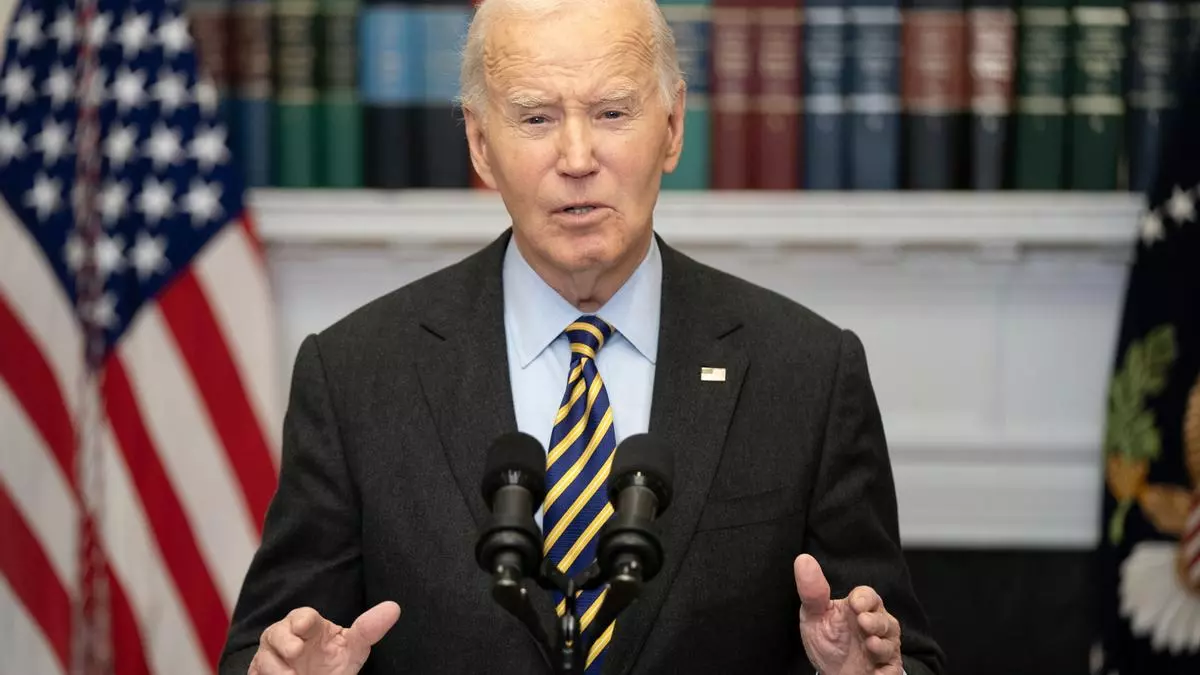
[(579, 209)]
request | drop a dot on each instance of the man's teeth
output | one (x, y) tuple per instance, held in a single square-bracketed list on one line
[(579, 209)]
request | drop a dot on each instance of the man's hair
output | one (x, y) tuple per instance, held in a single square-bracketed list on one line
[(472, 78)]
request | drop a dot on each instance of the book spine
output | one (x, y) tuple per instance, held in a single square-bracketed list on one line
[(991, 59), (874, 101), (691, 23), (1097, 103), (295, 100), (1040, 147), (442, 158), (340, 115), (825, 128), (391, 87), (250, 110), (775, 119), (210, 20), (1151, 84), (934, 91), (732, 70)]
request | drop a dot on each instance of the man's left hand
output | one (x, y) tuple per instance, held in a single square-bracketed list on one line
[(851, 636)]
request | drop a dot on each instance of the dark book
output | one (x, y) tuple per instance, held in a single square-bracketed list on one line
[(824, 147), (731, 71), (874, 94), (295, 99), (1150, 93), (251, 134), (339, 109), (1097, 102), (442, 159), (210, 21), (991, 62), (934, 92), (391, 88), (1040, 143), (775, 120)]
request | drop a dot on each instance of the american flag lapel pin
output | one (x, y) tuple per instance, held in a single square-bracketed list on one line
[(710, 374)]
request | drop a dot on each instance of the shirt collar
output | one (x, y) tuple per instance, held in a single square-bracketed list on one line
[(537, 314)]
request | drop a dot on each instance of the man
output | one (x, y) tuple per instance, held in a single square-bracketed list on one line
[(783, 490)]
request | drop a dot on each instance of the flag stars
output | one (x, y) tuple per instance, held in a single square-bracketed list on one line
[(96, 88), (164, 146), (174, 36), (206, 96), (59, 86), (97, 30), (45, 197), (63, 29), (53, 141), (170, 90), (1181, 206), (148, 255), (102, 311), (1151, 227), (208, 148), (75, 252), (12, 141), (203, 201), (155, 202), (129, 89), (110, 255), (17, 87), (27, 31), (133, 34), (114, 200), (119, 145)]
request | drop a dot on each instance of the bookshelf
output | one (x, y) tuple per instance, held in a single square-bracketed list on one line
[(995, 222)]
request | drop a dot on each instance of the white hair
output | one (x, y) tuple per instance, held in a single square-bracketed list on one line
[(472, 76)]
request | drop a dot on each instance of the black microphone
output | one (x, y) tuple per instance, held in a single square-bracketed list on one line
[(514, 485), (639, 486), (510, 546)]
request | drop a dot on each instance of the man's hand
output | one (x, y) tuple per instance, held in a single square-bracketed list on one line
[(851, 636), (304, 643)]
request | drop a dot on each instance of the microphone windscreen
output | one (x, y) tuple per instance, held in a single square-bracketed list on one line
[(515, 458), (642, 453)]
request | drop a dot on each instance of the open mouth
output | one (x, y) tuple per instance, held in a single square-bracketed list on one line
[(579, 209)]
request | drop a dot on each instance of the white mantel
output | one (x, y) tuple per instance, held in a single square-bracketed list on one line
[(989, 319)]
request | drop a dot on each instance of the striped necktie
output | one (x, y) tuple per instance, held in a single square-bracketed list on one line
[(581, 454)]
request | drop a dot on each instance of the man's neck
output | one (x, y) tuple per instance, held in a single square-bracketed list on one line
[(588, 290)]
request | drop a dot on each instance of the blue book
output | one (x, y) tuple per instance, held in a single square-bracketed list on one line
[(874, 94), (691, 21), (1150, 95), (391, 89), (825, 135), (250, 106)]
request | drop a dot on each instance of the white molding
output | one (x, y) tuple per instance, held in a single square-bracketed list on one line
[(1000, 220)]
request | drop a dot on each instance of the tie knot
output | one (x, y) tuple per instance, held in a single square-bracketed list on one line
[(588, 334)]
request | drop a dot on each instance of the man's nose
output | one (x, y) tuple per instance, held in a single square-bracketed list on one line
[(576, 152)]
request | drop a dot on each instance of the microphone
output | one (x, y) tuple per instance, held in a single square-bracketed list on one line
[(510, 545), (628, 551), (640, 488)]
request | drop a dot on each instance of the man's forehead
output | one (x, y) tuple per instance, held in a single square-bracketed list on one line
[(576, 36)]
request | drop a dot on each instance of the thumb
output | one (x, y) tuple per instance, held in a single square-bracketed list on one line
[(811, 585), (374, 623)]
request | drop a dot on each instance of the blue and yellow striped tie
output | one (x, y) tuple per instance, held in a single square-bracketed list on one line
[(581, 453)]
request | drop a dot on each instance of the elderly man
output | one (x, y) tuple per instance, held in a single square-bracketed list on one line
[(781, 542)]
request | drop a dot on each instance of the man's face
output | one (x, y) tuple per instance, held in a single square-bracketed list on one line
[(575, 136)]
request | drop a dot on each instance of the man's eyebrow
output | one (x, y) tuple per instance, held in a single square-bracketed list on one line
[(619, 94), (527, 100)]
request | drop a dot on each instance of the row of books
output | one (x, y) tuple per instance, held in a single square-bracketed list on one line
[(782, 94)]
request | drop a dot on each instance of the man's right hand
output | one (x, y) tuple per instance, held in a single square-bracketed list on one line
[(305, 643)]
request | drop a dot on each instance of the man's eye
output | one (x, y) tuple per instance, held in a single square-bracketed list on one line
[(613, 114), (535, 119)]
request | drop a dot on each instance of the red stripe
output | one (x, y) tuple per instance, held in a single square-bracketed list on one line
[(35, 386), (129, 657), (172, 531), (29, 572), (202, 344)]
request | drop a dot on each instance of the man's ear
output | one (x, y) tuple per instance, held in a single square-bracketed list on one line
[(477, 142), (675, 129)]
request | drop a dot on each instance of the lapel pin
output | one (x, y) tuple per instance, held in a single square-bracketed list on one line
[(709, 374)]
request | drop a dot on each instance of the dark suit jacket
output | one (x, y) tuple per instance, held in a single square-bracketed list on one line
[(390, 415)]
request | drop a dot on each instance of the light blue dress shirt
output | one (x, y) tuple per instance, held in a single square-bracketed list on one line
[(539, 355)]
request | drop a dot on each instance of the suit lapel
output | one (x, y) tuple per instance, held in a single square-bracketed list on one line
[(693, 416), (464, 375)]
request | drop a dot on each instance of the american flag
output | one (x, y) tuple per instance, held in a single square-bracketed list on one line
[(139, 397)]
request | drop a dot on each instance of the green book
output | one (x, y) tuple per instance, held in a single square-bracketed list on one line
[(295, 104), (690, 21), (1097, 86), (339, 110), (1040, 134)]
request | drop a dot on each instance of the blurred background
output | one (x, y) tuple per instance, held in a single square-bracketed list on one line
[(972, 187)]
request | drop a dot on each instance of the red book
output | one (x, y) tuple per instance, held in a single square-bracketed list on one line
[(774, 124), (731, 71)]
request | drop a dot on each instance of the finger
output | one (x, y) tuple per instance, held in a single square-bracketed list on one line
[(374, 623), (865, 599), (305, 623), (875, 623), (882, 651), (283, 642), (811, 585), (267, 662)]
